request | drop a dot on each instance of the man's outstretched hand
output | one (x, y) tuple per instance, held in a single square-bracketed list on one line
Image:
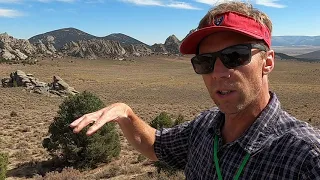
[(113, 112)]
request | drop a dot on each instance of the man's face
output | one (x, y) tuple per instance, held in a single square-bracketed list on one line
[(233, 90)]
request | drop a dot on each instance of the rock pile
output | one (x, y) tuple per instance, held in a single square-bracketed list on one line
[(21, 79), (93, 48), (172, 44), (12, 48), (21, 49)]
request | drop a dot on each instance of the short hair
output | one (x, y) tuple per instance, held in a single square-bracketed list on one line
[(239, 7)]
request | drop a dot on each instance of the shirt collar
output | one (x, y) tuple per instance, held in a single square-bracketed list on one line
[(257, 135)]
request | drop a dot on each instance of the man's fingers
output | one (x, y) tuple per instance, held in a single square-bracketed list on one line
[(103, 119), (85, 121), (93, 116), (76, 122)]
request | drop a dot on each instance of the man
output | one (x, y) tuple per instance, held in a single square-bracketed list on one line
[(248, 135)]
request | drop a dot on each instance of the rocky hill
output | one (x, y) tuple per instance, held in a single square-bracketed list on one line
[(76, 43), (123, 39), (94, 48), (58, 38), (170, 46), (21, 49)]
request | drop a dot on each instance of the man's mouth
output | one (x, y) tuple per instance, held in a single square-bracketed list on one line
[(225, 92)]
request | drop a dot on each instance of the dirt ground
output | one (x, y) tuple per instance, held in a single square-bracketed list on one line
[(149, 85)]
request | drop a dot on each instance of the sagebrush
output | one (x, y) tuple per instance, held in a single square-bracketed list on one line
[(80, 150)]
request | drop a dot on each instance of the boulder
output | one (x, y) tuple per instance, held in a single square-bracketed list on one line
[(7, 55), (20, 55), (21, 79)]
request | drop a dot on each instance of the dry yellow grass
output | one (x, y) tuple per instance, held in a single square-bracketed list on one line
[(149, 85)]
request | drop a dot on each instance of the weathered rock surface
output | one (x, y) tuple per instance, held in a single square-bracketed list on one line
[(75, 43), (21, 49), (159, 48), (94, 48), (21, 79), (138, 50), (172, 44)]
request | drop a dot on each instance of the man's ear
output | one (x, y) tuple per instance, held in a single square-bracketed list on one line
[(268, 63)]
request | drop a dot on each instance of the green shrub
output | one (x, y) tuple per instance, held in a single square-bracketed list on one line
[(164, 120), (80, 150), (3, 165), (2, 60), (180, 119)]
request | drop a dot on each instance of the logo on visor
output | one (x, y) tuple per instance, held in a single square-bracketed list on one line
[(218, 21)]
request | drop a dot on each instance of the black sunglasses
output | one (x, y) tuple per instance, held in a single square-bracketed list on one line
[(231, 57)]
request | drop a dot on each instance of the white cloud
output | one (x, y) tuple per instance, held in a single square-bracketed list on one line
[(170, 3), (212, 2), (145, 2), (270, 3), (182, 5), (10, 13)]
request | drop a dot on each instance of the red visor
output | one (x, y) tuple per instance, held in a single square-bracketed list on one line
[(229, 21)]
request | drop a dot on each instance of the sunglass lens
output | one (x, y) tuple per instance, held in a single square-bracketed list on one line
[(236, 56), (203, 64)]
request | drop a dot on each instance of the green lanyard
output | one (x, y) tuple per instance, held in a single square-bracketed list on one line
[(216, 161)]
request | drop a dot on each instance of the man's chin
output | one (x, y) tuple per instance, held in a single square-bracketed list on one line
[(230, 109)]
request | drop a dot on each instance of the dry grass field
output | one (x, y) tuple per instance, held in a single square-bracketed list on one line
[(149, 85)]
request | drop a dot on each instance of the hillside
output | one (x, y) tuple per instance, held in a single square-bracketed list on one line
[(62, 36), (312, 55), (296, 40), (304, 57), (76, 43), (123, 39), (284, 56)]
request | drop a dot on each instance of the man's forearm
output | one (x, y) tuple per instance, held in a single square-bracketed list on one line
[(139, 134)]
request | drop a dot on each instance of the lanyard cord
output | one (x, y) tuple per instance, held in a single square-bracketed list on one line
[(216, 161)]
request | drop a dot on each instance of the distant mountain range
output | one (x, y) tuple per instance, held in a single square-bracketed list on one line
[(76, 43), (296, 40), (66, 35), (308, 57)]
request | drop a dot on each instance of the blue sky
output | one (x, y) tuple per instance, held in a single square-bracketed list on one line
[(150, 21)]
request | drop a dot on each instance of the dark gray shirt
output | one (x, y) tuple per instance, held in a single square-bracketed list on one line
[(280, 147)]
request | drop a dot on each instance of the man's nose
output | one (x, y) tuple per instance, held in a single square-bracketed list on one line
[(220, 70)]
